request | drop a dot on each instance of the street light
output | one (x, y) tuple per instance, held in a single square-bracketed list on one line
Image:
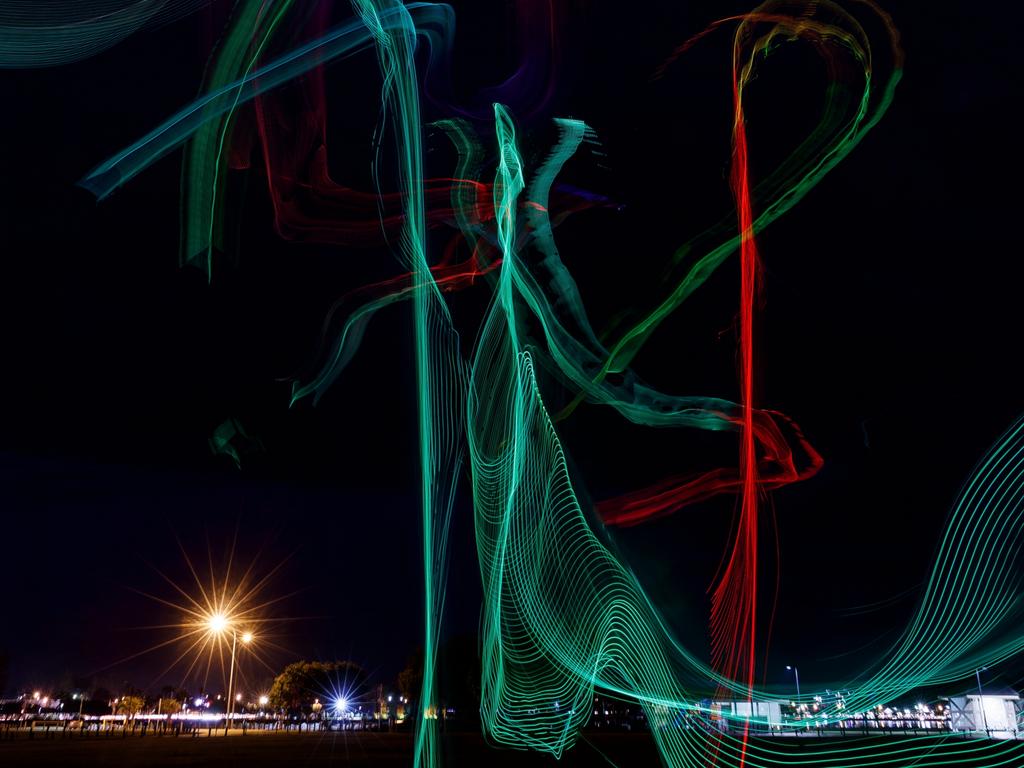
[(981, 697), (796, 674), (218, 624)]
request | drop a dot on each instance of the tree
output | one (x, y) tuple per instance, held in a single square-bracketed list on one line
[(457, 682), (129, 705), (169, 706), (98, 703), (303, 682), (102, 695), (459, 679), (410, 679)]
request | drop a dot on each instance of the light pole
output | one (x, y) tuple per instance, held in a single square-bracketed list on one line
[(246, 638), (981, 699), (218, 624), (796, 674)]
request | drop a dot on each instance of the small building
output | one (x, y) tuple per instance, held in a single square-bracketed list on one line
[(765, 715), (999, 714)]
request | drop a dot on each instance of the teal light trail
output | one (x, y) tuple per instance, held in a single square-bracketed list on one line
[(563, 617)]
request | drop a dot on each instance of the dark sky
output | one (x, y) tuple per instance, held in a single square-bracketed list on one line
[(889, 335)]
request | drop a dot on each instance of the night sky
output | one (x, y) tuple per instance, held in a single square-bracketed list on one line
[(890, 334)]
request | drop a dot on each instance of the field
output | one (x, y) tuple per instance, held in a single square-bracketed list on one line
[(307, 749)]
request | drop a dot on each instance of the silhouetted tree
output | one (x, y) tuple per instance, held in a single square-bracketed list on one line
[(102, 695), (303, 682), (410, 685), (410, 679), (460, 672)]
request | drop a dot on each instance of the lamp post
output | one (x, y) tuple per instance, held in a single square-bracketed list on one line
[(218, 624), (796, 675), (981, 699)]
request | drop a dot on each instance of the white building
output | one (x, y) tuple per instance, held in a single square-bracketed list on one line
[(767, 714), (997, 714)]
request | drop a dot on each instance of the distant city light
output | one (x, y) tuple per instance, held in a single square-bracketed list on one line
[(264, 700)]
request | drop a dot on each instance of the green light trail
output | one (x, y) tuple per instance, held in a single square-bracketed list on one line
[(563, 616)]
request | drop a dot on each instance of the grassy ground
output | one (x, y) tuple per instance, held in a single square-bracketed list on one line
[(308, 749)]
